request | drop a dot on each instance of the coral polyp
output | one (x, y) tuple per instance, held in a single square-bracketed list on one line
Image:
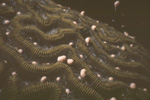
[(50, 52)]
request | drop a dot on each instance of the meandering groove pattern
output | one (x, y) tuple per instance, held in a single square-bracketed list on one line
[(34, 33)]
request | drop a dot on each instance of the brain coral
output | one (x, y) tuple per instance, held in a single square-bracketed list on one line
[(50, 52)]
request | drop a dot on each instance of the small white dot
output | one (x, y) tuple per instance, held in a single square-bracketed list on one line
[(122, 26), (87, 40), (69, 8), (70, 61), (5, 61), (132, 85), (93, 27), (117, 68), (118, 46), (67, 91), (81, 56), (104, 42), (123, 48), (3, 4), (61, 58), (131, 45), (113, 98), (132, 60), (30, 38), (35, 43), (74, 22), (6, 21), (112, 55), (64, 10), (20, 50), (126, 34), (110, 78), (101, 60), (58, 79), (113, 20), (59, 5), (132, 37), (71, 43), (7, 33), (18, 13), (83, 73), (145, 89), (43, 79), (79, 77), (98, 75), (116, 3), (90, 66), (34, 62), (82, 13), (13, 73), (26, 83), (97, 21)]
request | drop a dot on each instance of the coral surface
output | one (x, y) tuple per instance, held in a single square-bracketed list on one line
[(50, 52)]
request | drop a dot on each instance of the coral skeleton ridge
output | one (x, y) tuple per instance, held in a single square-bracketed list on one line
[(51, 52)]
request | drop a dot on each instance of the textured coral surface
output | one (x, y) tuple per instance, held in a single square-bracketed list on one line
[(50, 52)]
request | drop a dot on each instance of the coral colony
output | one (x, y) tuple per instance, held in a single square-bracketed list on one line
[(50, 52)]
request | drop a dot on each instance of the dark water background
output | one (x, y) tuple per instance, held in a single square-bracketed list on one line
[(133, 14)]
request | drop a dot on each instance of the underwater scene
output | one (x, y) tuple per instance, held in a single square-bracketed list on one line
[(74, 50)]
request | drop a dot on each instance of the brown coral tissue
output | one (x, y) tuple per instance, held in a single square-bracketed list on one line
[(51, 52)]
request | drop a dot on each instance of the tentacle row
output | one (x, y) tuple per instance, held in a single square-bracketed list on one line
[(50, 52)]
